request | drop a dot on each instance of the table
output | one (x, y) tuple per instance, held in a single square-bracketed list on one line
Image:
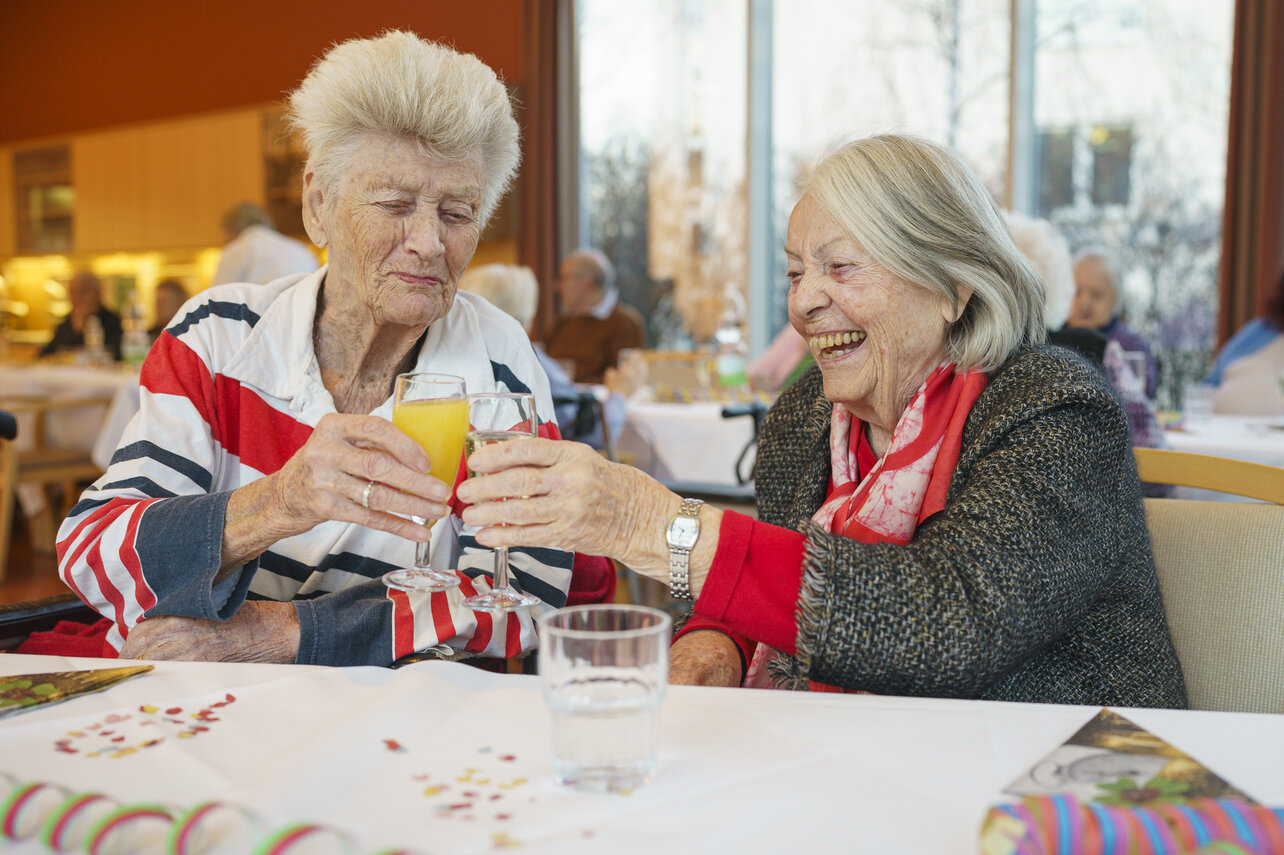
[(684, 442), (72, 428), (1257, 439), (365, 749)]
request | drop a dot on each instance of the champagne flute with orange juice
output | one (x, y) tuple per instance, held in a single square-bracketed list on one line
[(433, 410)]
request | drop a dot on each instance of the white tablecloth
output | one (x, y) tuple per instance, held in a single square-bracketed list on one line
[(1256, 439), (441, 757), (72, 428), (685, 442)]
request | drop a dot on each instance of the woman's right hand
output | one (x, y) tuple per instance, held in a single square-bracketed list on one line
[(705, 657), (326, 480)]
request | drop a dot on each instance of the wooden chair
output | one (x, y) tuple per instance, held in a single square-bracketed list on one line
[(1221, 575), (1222, 474), (44, 465)]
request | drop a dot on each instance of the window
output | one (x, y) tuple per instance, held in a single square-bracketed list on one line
[(1121, 139)]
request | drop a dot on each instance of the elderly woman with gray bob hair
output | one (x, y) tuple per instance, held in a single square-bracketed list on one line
[(946, 506), (262, 491)]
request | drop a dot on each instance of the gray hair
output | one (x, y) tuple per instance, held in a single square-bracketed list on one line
[(242, 215), (510, 288), (1049, 254), (925, 217), (400, 84), (1106, 261), (595, 263)]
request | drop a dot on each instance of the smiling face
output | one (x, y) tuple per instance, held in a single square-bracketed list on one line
[(401, 228), (875, 337)]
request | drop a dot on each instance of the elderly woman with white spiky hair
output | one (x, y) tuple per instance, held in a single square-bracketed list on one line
[(262, 492), (946, 506)]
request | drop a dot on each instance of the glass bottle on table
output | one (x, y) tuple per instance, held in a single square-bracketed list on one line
[(500, 417), (433, 410)]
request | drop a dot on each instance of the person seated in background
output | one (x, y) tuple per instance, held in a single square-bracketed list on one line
[(785, 360), (255, 251), (1098, 299), (593, 326), (85, 293), (1049, 254), (946, 506), (169, 298), (262, 490), (1249, 371), (513, 289)]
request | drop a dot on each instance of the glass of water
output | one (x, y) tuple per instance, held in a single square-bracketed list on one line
[(604, 671)]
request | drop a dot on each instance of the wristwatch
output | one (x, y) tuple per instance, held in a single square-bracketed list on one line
[(684, 530)]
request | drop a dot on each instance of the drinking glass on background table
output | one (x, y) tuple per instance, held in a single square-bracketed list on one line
[(433, 410), (1197, 402), (499, 417), (604, 671)]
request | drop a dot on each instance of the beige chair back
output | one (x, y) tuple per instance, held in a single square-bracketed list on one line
[(1221, 574)]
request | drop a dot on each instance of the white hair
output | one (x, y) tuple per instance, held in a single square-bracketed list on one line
[(925, 217), (402, 85), (511, 288), (1048, 252), (1105, 260)]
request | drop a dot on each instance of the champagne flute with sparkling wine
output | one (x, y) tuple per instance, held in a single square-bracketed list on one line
[(433, 410), (499, 417)]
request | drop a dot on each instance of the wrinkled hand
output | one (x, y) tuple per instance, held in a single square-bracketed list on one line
[(570, 498), (259, 632), (326, 478), (704, 658)]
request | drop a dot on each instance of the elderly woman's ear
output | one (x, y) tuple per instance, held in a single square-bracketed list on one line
[(954, 312), (313, 204)]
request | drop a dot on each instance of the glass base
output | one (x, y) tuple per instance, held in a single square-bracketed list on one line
[(501, 600), (420, 579)]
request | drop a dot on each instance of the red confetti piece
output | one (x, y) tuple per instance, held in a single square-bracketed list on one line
[(496, 797), (113, 718), (199, 729), (231, 699), (67, 749), (508, 758), (149, 743), (503, 816), (393, 745), (120, 738), (173, 711), (106, 732), (460, 806), (469, 794)]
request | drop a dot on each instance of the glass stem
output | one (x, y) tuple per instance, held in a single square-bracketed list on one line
[(422, 548), (501, 570)]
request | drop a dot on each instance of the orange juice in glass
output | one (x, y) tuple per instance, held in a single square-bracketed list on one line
[(433, 410)]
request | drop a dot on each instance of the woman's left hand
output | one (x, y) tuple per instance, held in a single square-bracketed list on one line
[(260, 631), (571, 498)]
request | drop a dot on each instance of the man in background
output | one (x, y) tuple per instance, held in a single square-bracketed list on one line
[(255, 251), (169, 298), (85, 293), (593, 326)]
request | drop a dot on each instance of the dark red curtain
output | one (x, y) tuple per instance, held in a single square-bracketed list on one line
[(1253, 224)]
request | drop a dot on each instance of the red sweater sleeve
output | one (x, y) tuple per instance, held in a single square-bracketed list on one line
[(751, 592)]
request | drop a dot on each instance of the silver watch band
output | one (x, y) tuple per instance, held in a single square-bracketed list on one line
[(680, 556)]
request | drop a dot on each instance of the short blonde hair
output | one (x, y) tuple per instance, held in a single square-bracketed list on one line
[(925, 217), (509, 287), (402, 85)]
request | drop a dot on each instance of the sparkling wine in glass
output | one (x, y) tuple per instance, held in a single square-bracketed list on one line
[(500, 417), (433, 410)]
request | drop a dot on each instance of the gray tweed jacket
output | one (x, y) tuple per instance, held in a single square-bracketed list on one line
[(1036, 583)]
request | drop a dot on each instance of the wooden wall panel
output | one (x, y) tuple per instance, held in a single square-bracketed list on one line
[(107, 174), (8, 228), (194, 170)]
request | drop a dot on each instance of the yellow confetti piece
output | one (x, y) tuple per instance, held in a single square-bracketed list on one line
[(148, 708), (503, 841), (76, 733), (481, 782), (432, 791), (124, 752), (185, 735)]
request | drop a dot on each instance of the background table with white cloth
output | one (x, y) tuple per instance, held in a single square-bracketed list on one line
[(1257, 439), (69, 428), (440, 757), (685, 442)]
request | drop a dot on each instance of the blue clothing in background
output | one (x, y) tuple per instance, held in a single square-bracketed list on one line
[(1252, 337)]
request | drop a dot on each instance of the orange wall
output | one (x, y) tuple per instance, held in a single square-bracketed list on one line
[(74, 65)]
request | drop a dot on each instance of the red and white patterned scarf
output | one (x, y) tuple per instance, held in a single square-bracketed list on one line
[(907, 485)]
